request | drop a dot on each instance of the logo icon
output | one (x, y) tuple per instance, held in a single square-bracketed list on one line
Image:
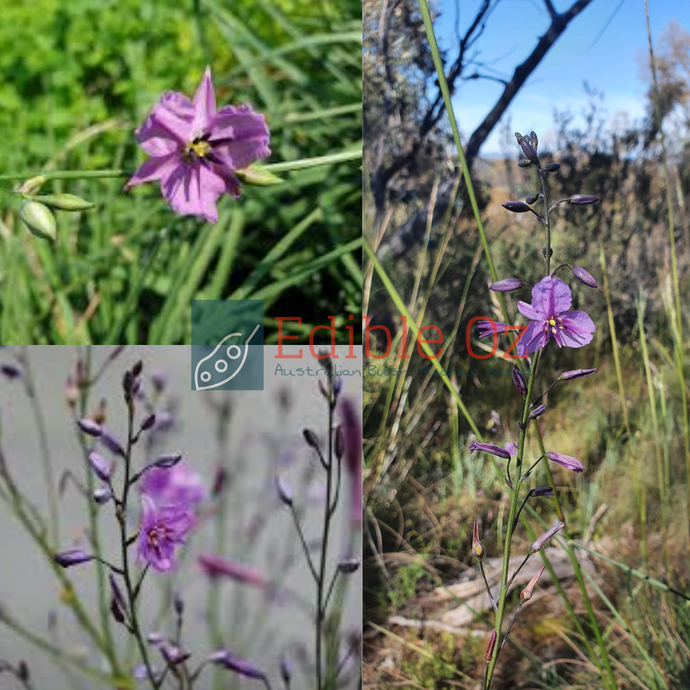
[(227, 345)]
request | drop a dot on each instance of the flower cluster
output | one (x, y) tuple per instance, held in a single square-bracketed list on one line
[(550, 318)]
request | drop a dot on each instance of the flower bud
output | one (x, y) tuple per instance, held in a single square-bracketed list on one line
[(584, 277), (531, 198), (111, 443), (89, 427), (506, 285), (348, 565), (542, 491), (39, 220), (66, 559), (533, 139), (516, 206), (11, 371), (102, 495), (255, 175), (490, 647), (527, 148), (566, 461), (284, 491), (524, 162), (148, 422), (232, 663), (311, 438), (519, 382), (538, 411), (490, 448), (577, 374), (100, 466), (583, 199), (537, 545), (552, 167), (64, 202), (477, 547), (167, 461), (286, 671), (526, 593)]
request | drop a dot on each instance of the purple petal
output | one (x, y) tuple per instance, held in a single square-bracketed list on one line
[(551, 296), (529, 312), (533, 339), (577, 329), (486, 328), (156, 168), (204, 105), (193, 190), (239, 123), (172, 119)]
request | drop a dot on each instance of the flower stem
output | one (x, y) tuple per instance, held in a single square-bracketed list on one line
[(500, 613)]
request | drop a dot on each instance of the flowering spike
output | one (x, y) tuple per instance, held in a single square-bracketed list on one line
[(584, 277), (537, 545), (66, 559), (490, 448), (490, 646), (566, 461), (519, 382), (506, 285), (582, 199), (577, 374), (516, 206), (477, 547), (526, 593)]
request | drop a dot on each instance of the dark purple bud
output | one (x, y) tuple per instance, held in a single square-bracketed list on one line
[(167, 461), (524, 162), (11, 371), (584, 277), (116, 352), (348, 565), (286, 670), (516, 206), (490, 448), (67, 559), (339, 442), (506, 285), (102, 495), (519, 382), (577, 374), (538, 411), (527, 148), (311, 438), (583, 199), (533, 140), (116, 611), (552, 167), (531, 198), (490, 646), (566, 461), (116, 591), (284, 491), (23, 671), (537, 545), (137, 369), (240, 666), (102, 468), (111, 443), (148, 422), (542, 491), (173, 654), (88, 426), (178, 604), (220, 478)]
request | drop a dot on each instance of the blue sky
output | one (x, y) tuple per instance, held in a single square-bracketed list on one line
[(611, 64)]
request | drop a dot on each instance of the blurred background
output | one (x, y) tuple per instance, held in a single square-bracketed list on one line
[(77, 78), (579, 74), (252, 437)]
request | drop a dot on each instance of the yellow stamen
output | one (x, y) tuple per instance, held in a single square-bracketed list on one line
[(200, 148), (552, 321)]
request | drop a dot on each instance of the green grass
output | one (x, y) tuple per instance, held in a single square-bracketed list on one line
[(79, 77)]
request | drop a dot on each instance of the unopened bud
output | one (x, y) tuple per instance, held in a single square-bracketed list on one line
[(519, 382), (538, 411), (39, 220), (516, 206), (537, 545), (583, 199), (577, 374), (64, 202), (255, 175), (477, 547), (489, 448), (584, 277), (526, 593), (284, 491), (348, 565), (531, 198), (506, 285), (311, 438), (524, 162), (66, 559), (490, 647), (533, 139), (552, 167), (167, 461)]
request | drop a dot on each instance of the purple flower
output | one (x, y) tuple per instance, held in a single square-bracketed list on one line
[(566, 461), (67, 559), (173, 486), (195, 149), (490, 448), (161, 529), (551, 300)]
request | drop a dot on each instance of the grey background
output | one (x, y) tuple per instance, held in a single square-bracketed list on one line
[(265, 438)]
